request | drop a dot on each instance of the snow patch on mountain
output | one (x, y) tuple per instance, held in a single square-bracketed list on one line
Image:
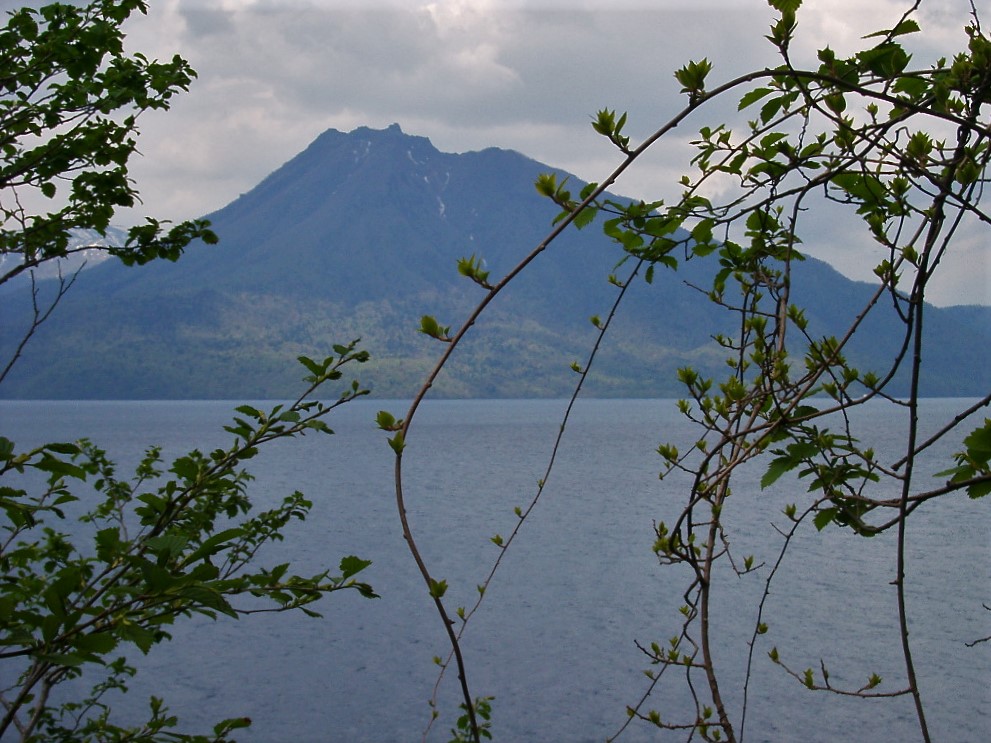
[(86, 249)]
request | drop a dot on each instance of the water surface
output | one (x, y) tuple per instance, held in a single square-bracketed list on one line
[(555, 641)]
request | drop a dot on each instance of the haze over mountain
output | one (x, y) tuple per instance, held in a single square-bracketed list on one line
[(358, 236)]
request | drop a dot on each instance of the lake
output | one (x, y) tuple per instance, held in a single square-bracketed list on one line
[(554, 642)]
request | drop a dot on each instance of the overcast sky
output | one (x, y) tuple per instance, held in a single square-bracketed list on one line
[(469, 74)]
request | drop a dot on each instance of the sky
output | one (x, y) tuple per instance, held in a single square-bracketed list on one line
[(526, 75)]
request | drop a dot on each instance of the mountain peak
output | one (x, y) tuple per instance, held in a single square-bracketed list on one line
[(392, 130), (363, 141), (336, 137), (359, 236)]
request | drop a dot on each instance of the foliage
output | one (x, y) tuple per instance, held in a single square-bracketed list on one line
[(93, 562), (463, 729), (905, 151), (69, 107), (70, 98), (163, 545)]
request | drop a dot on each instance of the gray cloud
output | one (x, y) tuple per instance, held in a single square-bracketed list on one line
[(468, 74)]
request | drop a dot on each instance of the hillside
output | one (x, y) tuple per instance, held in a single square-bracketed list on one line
[(358, 236)]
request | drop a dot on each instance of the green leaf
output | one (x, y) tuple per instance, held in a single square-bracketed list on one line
[(366, 590), (835, 102), (775, 470), (141, 636), (430, 326), (214, 544), (824, 517), (978, 490), (753, 96), (96, 643), (108, 544), (397, 442), (785, 6), (254, 412), (386, 421), (59, 467), (702, 232), (861, 186), (907, 26), (207, 597), (886, 60), (351, 565), (973, 462), (66, 448), (438, 588), (692, 77), (546, 184), (167, 546), (70, 660), (585, 217), (978, 443), (234, 723), (607, 125), (157, 579), (914, 87), (771, 108), (472, 268), (186, 468)]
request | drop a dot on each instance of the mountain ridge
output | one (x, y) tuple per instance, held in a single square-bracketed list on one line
[(358, 236)]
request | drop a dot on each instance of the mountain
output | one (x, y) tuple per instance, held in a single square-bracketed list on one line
[(358, 236), (84, 249)]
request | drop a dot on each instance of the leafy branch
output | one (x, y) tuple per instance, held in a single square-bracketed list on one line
[(158, 553), (861, 133)]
